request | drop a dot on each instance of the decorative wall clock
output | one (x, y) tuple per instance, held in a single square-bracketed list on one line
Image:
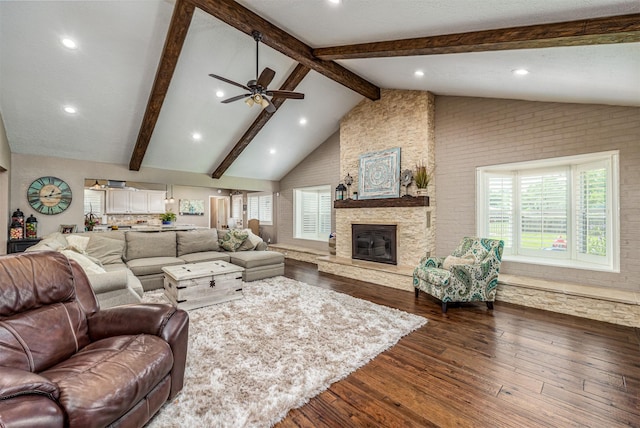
[(49, 195)]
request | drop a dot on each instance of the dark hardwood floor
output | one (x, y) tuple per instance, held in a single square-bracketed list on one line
[(510, 367)]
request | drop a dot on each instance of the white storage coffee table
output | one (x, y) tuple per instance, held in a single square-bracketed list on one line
[(196, 285)]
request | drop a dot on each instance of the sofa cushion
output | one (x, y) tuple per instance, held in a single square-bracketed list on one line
[(262, 246), (132, 366), (150, 244), (152, 265), (108, 281), (246, 245), (233, 239), (107, 250), (252, 259), (196, 241), (78, 241), (86, 263), (205, 256)]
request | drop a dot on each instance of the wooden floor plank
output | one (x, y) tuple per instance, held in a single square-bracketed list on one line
[(473, 367)]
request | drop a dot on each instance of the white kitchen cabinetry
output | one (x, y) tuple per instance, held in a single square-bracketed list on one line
[(156, 202), (135, 201)]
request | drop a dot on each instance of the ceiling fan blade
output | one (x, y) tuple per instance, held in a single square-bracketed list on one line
[(236, 98), (270, 108), (266, 77), (286, 94), (231, 82)]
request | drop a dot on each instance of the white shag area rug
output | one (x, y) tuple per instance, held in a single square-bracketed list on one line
[(252, 360)]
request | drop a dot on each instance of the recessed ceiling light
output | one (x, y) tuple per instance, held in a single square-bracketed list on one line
[(334, 1), (272, 151), (303, 121), (418, 73), (69, 43), (219, 94), (520, 71), (196, 136), (70, 109)]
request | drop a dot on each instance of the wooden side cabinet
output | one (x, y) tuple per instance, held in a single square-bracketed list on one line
[(19, 245)]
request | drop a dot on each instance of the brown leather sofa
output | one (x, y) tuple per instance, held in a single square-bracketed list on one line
[(65, 362)]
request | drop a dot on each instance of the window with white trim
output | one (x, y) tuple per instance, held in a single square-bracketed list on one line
[(312, 212), (260, 207), (561, 211), (236, 208), (94, 201)]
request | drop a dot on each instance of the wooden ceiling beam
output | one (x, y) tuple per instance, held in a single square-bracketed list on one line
[(180, 22), (247, 21), (607, 30), (293, 80)]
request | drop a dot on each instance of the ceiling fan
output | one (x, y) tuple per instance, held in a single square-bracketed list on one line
[(257, 88)]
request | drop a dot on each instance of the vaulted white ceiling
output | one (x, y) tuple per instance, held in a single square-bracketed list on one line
[(109, 77)]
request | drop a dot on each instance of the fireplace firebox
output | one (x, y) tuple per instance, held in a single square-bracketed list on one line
[(374, 242)]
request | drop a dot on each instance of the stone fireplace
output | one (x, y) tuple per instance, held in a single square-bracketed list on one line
[(402, 119), (374, 242)]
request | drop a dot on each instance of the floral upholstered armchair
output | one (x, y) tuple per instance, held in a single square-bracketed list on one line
[(469, 274)]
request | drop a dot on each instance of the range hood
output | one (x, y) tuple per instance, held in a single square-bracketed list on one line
[(116, 184)]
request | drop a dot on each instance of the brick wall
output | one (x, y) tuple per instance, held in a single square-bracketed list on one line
[(473, 132)]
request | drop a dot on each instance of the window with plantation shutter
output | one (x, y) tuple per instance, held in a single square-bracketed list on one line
[(561, 211), (592, 200), (94, 201), (500, 208), (236, 208), (261, 208), (312, 213), (543, 211)]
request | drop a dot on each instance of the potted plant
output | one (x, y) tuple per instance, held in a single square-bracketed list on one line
[(168, 217), (422, 177)]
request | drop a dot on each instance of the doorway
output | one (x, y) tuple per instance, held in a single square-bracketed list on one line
[(219, 211)]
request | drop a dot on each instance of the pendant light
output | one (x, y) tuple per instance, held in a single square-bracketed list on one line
[(171, 200), (166, 199)]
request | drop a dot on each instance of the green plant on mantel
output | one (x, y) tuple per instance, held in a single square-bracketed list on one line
[(421, 176), (168, 216)]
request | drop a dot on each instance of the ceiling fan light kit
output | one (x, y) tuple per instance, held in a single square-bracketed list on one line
[(258, 92)]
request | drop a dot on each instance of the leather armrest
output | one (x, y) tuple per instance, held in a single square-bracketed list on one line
[(15, 382), (30, 411), (164, 321)]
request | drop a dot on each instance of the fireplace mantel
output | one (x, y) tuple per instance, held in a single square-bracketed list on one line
[(414, 201)]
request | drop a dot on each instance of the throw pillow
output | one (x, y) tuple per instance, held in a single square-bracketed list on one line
[(262, 246), (196, 241), (53, 242), (77, 241), (450, 261), (105, 249), (253, 238), (85, 263), (233, 239)]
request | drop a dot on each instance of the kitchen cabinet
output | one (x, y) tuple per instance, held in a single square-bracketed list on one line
[(156, 202), (135, 201)]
